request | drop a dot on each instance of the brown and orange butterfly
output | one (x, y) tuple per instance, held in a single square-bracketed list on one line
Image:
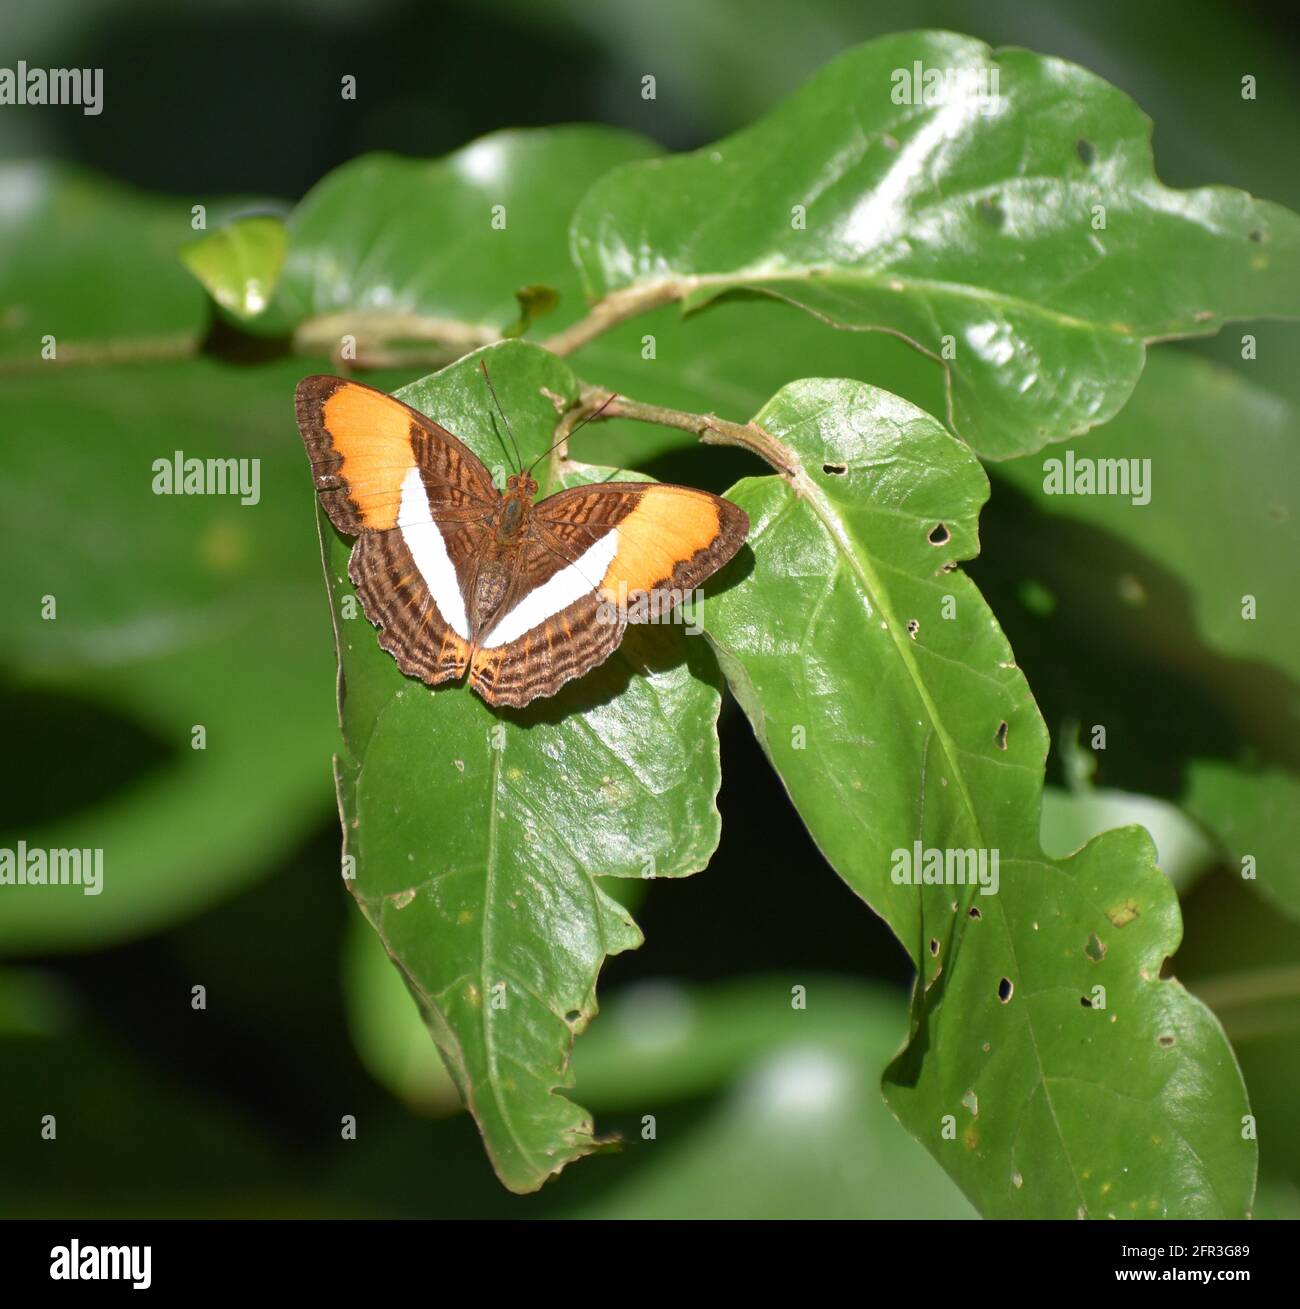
[(463, 578)]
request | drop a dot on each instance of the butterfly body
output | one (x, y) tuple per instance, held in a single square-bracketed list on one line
[(463, 579), (515, 504)]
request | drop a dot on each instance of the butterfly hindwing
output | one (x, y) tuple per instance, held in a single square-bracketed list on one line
[(561, 647), (398, 600)]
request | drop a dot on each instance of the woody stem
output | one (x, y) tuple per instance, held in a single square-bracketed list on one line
[(612, 310), (709, 428)]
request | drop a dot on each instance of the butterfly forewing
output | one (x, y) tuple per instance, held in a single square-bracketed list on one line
[(668, 538), (364, 446), (421, 504)]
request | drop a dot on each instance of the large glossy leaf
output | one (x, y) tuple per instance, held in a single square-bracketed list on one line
[(720, 66), (479, 836), (1120, 614), (1099, 566), (972, 226), (891, 723), (391, 249), (1197, 691)]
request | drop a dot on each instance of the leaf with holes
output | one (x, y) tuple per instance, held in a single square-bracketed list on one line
[(479, 837), (998, 209), (1050, 1067)]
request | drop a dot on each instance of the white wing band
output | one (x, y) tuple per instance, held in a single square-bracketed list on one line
[(429, 550), (571, 583)]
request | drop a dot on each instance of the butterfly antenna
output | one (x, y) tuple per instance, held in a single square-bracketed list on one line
[(487, 377), (595, 413)]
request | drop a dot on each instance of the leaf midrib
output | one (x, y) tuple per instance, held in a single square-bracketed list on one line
[(485, 954), (902, 284)]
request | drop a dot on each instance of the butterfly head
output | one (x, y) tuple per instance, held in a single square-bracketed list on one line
[(522, 485)]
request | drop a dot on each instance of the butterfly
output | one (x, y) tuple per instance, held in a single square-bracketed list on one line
[(464, 580)]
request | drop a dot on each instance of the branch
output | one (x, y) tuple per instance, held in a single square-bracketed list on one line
[(709, 428), (377, 336), (615, 308), (386, 339), (143, 349)]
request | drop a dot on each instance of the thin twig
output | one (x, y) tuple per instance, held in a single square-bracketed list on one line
[(615, 308), (709, 428), (384, 340), (87, 354)]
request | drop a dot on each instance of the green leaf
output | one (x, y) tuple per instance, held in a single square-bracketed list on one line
[(891, 723), (479, 836), (168, 611), (239, 265), (394, 250), (971, 227), (1199, 700)]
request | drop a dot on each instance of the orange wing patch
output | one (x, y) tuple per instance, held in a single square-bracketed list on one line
[(372, 435), (360, 444), (674, 537)]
